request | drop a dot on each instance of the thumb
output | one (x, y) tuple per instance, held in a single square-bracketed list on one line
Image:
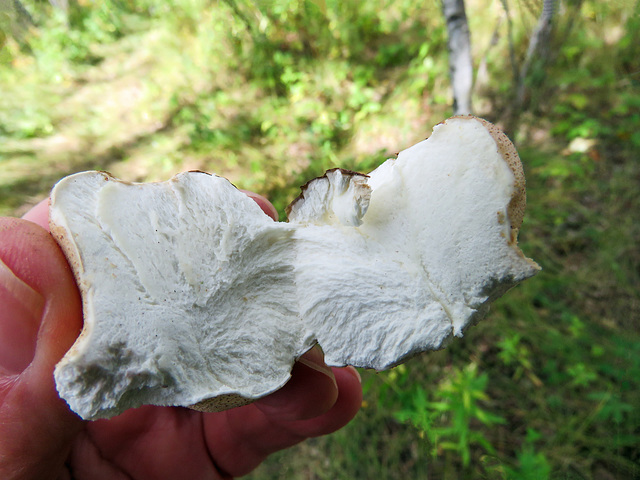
[(40, 318)]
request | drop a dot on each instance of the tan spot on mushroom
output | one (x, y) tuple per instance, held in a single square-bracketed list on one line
[(220, 403)]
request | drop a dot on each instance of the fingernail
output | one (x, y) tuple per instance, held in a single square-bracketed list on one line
[(314, 359), (20, 317)]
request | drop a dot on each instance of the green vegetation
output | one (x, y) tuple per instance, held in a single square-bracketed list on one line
[(270, 94)]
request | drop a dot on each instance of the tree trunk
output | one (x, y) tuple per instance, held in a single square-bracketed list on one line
[(538, 47), (460, 65)]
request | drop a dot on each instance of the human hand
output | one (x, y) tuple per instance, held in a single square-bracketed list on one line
[(40, 318)]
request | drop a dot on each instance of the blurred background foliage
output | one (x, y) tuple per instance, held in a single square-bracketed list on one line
[(272, 93)]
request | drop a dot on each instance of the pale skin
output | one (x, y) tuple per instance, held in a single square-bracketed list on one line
[(40, 438)]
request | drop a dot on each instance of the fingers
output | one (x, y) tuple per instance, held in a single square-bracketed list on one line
[(316, 401), (148, 442), (40, 319), (342, 412), (264, 204), (296, 400), (39, 214)]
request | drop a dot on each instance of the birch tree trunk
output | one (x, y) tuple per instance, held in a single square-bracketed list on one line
[(460, 65)]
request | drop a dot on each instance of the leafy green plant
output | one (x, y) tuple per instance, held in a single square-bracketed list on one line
[(612, 407), (513, 352), (581, 375), (448, 420), (531, 465)]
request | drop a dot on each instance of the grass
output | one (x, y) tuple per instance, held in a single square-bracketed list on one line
[(272, 94)]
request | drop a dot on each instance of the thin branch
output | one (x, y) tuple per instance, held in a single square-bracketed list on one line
[(538, 42), (512, 50)]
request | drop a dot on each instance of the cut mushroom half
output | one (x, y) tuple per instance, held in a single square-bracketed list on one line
[(193, 296)]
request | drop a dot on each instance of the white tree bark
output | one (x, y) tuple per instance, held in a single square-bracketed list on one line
[(460, 65)]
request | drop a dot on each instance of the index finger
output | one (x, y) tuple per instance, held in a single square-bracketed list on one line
[(39, 214)]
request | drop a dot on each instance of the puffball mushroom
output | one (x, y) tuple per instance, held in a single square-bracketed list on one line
[(192, 296)]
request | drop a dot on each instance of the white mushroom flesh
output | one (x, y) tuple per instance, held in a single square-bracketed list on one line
[(192, 294)]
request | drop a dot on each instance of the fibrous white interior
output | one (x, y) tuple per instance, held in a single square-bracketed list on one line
[(191, 292)]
